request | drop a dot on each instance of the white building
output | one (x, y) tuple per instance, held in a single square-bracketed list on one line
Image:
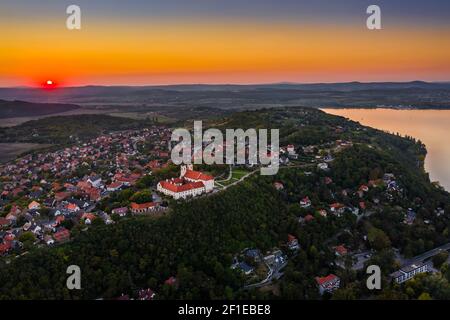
[(196, 176), (177, 189), (408, 272), (190, 184)]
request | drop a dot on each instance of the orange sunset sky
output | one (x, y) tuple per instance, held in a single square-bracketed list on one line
[(137, 50)]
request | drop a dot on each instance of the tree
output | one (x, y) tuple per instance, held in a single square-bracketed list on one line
[(439, 259), (378, 239), (142, 196), (27, 237), (425, 296)]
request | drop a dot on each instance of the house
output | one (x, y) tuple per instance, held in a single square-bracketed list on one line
[(328, 284), (309, 218), (322, 166), (305, 202), (253, 254), (120, 211), (72, 207), (88, 218), (290, 148), (245, 268), (95, 181), (278, 185), (364, 188), (410, 217), (49, 240), (340, 250), (60, 196), (337, 208), (408, 272), (115, 186), (143, 207), (328, 158), (62, 235), (146, 294), (4, 222), (322, 212), (171, 281), (34, 205), (5, 247), (292, 243)]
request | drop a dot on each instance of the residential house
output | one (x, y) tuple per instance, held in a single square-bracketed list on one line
[(278, 185), (143, 207), (337, 208), (328, 284), (120, 211), (34, 205), (293, 243), (115, 186), (340, 250), (305, 202), (62, 235), (146, 294)]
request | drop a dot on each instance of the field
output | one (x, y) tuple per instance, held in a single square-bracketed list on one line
[(9, 151), (11, 122)]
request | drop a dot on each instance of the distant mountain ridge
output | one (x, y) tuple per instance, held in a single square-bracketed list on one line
[(16, 108), (414, 94)]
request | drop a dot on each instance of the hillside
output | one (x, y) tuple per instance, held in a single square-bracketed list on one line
[(66, 129), (197, 241), (13, 109)]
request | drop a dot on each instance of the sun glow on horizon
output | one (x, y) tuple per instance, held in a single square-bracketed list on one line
[(141, 53)]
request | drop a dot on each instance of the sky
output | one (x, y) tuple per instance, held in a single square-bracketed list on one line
[(137, 42)]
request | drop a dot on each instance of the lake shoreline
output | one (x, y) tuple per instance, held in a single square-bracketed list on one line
[(430, 126)]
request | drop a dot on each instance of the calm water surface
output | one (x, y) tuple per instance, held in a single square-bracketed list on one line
[(432, 127)]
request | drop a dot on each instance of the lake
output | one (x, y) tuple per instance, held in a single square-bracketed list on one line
[(432, 127)]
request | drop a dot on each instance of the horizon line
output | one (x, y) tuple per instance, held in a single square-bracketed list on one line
[(229, 84)]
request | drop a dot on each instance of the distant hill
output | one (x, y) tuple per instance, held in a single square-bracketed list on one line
[(68, 129), (13, 109), (414, 94)]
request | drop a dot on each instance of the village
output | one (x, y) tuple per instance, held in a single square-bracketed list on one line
[(44, 195)]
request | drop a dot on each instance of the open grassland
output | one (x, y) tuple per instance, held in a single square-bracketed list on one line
[(9, 151)]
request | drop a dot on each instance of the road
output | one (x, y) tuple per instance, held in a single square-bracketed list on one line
[(272, 274), (424, 256)]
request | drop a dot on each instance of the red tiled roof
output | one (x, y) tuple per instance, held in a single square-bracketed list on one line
[(115, 185), (72, 206), (171, 281), (140, 206), (341, 250), (62, 235), (89, 216), (168, 185), (324, 280), (196, 175), (4, 247)]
